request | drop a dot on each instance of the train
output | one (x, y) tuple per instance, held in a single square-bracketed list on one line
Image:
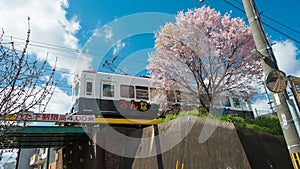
[(113, 95), (122, 96)]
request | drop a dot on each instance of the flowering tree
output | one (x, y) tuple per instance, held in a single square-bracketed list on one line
[(205, 54), (25, 84)]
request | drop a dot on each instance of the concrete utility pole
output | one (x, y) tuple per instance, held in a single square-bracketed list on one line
[(264, 51), (269, 64)]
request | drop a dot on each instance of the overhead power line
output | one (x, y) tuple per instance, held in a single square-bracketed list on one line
[(65, 50), (44, 44), (266, 24), (279, 23)]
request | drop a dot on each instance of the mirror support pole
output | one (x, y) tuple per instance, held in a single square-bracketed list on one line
[(269, 64)]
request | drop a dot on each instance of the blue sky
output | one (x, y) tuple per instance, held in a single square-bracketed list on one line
[(86, 34), (96, 14)]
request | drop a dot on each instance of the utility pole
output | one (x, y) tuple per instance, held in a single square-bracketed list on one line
[(269, 64)]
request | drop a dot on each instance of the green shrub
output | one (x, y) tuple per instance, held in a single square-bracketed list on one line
[(168, 117), (186, 113), (270, 125), (202, 110), (265, 124), (233, 119), (181, 114)]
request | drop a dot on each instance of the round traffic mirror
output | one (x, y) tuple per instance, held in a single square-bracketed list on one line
[(276, 81)]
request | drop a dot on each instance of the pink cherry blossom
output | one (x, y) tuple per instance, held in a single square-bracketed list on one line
[(208, 51)]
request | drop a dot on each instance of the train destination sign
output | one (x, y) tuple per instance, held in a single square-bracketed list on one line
[(47, 117)]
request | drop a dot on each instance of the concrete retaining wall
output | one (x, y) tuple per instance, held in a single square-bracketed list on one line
[(228, 147)]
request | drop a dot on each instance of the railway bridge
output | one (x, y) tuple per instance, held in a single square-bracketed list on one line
[(70, 136), (64, 130), (229, 146)]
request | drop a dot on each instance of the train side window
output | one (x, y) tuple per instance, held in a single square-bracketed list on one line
[(236, 102), (171, 96), (89, 88), (108, 90), (186, 97), (142, 92), (178, 96), (127, 91), (153, 92), (226, 102), (244, 104)]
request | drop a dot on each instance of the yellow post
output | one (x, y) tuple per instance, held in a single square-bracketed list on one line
[(298, 160), (293, 161)]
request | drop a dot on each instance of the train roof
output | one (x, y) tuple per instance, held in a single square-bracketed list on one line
[(113, 74)]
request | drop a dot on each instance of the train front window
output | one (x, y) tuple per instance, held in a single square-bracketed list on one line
[(127, 91), (108, 90), (89, 88)]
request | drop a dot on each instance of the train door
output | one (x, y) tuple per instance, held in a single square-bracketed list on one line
[(107, 102)]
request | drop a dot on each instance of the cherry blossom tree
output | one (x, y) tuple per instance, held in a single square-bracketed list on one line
[(206, 55), (26, 84)]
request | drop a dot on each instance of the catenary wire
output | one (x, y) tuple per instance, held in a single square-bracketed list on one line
[(267, 25)]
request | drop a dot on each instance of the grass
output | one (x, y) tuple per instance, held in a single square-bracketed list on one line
[(181, 114), (269, 125)]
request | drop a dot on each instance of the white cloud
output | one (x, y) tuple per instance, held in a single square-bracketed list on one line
[(120, 45), (83, 62), (261, 106), (52, 33), (108, 33), (60, 102), (48, 24), (285, 53), (8, 156)]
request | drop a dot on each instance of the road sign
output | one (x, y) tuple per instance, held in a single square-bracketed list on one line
[(295, 85)]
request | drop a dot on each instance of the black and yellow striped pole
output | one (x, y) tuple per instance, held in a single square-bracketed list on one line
[(177, 165), (295, 160)]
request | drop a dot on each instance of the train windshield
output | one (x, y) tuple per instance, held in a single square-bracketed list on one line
[(76, 89)]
